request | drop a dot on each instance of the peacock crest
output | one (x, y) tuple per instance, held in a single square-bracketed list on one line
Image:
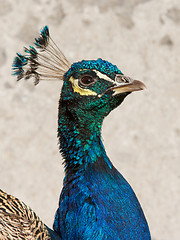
[(43, 61)]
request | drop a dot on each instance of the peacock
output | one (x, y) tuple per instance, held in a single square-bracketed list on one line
[(96, 202)]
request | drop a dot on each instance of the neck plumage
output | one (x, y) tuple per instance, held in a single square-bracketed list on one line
[(80, 140)]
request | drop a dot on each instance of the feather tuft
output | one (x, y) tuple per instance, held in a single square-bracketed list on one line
[(45, 61), (43, 39), (19, 62)]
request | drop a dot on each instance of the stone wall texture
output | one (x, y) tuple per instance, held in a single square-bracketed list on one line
[(142, 136)]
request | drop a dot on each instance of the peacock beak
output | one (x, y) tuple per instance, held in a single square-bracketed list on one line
[(124, 84), (127, 87)]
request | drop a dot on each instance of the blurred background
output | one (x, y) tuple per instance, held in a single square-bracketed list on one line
[(142, 136)]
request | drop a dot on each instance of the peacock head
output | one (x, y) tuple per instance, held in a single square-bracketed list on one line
[(91, 88)]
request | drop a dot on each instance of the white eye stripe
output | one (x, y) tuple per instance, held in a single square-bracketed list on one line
[(103, 76)]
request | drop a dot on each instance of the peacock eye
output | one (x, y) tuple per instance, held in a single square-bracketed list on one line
[(86, 81)]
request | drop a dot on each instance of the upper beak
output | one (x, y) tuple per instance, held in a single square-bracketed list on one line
[(132, 86)]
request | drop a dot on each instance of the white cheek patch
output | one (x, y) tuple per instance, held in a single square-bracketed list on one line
[(81, 91)]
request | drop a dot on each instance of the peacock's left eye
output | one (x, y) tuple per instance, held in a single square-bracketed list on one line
[(86, 81)]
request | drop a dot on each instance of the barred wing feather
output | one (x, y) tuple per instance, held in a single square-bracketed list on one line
[(18, 221)]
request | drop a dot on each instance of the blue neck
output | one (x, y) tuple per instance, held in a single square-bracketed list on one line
[(96, 201)]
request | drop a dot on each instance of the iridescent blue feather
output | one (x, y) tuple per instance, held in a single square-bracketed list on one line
[(43, 62), (43, 40), (19, 62), (96, 202)]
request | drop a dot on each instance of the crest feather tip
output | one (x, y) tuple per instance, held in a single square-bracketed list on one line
[(43, 61)]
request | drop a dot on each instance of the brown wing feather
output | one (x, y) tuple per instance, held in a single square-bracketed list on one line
[(18, 221)]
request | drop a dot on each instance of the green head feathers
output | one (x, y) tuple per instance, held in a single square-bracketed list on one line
[(91, 90), (91, 87)]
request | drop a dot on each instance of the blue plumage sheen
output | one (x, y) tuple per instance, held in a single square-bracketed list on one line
[(19, 62), (43, 39), (101, 65), (96, 202)]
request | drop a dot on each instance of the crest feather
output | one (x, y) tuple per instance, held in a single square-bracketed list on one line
[(45, 61)]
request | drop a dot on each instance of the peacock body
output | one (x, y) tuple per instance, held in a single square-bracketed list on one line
[(96, 201)]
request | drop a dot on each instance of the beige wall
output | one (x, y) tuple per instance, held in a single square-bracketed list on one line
[(142, 137)]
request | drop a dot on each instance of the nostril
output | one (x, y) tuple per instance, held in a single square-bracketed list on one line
[(125, 79), (119, 79), (122, 79)]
